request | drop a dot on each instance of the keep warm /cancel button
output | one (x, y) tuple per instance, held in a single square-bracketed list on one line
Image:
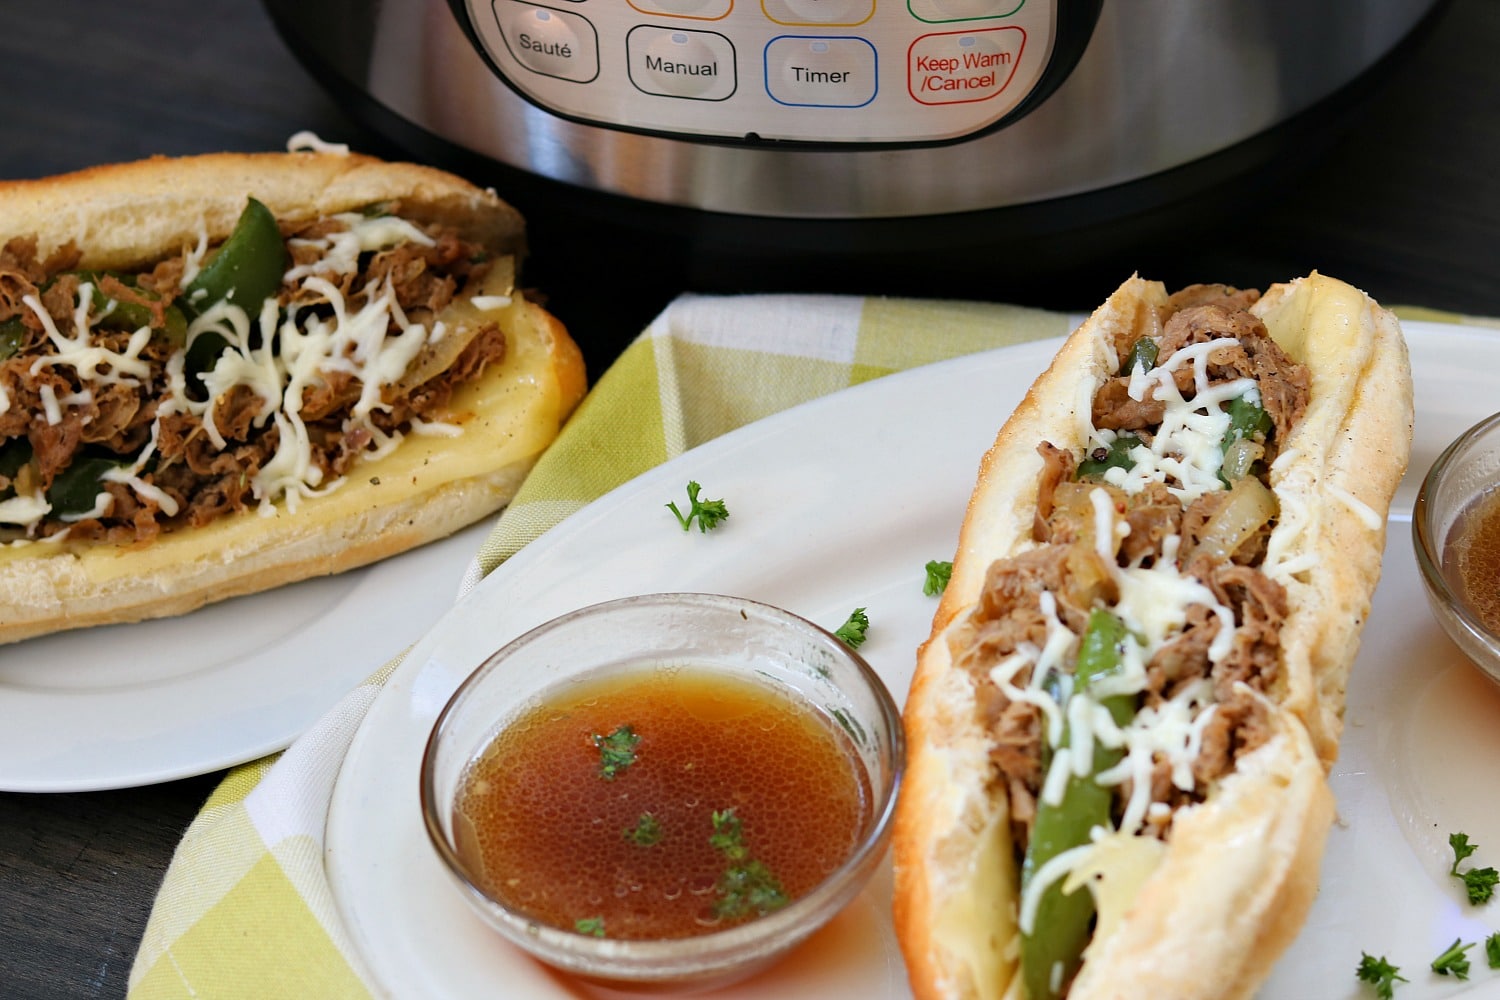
[(958, 67), (676, 62)]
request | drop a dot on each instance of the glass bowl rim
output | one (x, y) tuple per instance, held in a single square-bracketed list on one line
[(1424, 537), (715, 949)]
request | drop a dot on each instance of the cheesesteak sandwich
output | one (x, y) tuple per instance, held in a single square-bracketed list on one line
[(223, 373), (1120, 728)]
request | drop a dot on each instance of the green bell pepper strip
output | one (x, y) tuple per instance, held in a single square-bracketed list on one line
[(74, 490), (1143, 353), (1118, 457), (14, 454), (248, 268), (133, 315), (12, 336), (1247, 420), (246, 271), (200, 359), (1062, 926)]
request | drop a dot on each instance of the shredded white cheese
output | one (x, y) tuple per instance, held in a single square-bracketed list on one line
[(277, 356), (92, 362), (51, 412), (24, 509), (338, 251), (1357, 507), (1055, 868), (131, 475), (307, 141), (1185, 456)]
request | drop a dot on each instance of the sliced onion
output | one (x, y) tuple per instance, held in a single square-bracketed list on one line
[(462, 321), (1250, 506), (1238, 458)]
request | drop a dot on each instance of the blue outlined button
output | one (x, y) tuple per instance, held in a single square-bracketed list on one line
[(821, 72)]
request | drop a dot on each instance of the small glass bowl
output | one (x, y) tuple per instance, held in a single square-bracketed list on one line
[(1466, 470), (706, 632)]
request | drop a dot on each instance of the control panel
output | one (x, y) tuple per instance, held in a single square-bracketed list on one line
[(826, 71)]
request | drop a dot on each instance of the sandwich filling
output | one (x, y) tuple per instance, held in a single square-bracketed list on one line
[(236, 376), (1129, 658)]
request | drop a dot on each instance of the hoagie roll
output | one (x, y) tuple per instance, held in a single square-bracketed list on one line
[(1120, 728), (223, 373)]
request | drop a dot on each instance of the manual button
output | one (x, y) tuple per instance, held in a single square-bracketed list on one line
[(676, 62), (550, 42)]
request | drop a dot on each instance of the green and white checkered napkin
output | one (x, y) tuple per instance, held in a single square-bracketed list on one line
[(245, 909)]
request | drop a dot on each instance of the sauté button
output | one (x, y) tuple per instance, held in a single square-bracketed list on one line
[(551, 42)]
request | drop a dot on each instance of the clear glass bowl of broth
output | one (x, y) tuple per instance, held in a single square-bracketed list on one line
[(1456, 534), (668, 790)]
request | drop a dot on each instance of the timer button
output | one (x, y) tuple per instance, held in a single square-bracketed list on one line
[(821, 72), (550, 42), (839, 12), (676, 62), (703, 10)]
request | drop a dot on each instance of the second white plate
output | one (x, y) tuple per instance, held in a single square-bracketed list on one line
[(839, 504)]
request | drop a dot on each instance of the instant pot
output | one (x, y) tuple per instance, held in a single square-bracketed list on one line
[(892, 144)]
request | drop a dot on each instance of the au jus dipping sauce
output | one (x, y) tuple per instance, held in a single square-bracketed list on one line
[(661, 803), (1471, 558)]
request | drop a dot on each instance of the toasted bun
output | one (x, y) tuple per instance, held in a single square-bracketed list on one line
[(1208, 921), (428, 487), (123, 215)]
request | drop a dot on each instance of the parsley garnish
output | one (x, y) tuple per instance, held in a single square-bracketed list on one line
[(592, 926), (1380, 972), (1461, 850), (1453, 961), (646, 832), (728, 835), (708, 512), (616, 751), (1479, 882), (938, 575), (747, 886), (853, 629), (1492, 950)]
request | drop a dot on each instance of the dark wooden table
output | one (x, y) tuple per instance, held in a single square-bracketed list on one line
[(1406, 204)]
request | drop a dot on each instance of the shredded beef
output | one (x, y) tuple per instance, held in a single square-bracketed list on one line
[(1058, 466), (1202, 295), (1260, 607), (117, 416), (1240, 724), (1008, 615), (1115, 410)]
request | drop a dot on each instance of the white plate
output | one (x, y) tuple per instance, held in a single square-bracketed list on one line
[(839, 504), (134, 704)]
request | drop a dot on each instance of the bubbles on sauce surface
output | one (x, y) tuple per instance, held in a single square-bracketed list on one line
[(1471, 558), (549, 835)]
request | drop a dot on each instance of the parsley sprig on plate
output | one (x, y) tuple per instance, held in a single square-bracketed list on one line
[(708, 513)]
